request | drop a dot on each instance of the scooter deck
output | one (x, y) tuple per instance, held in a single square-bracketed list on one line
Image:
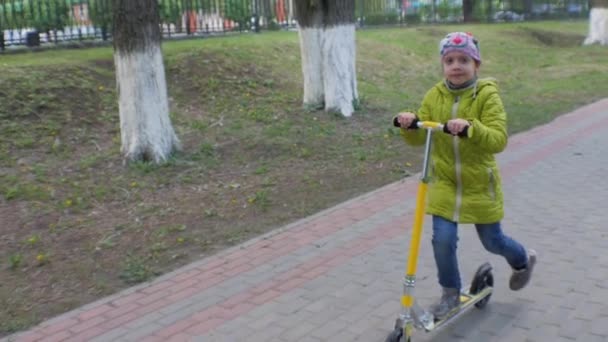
[(467, 300)]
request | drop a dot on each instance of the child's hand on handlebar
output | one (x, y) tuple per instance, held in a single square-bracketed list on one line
[(456, 126), (405, 119)]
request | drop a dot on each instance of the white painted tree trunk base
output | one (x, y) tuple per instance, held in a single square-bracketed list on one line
[(340, 75), (311, 52), (598, 27), (145, 126), (329, 68)]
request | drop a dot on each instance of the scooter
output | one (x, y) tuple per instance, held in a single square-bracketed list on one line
[(478, 294)]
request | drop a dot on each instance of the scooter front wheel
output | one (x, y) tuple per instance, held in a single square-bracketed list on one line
[(483, 278), (397, 336)]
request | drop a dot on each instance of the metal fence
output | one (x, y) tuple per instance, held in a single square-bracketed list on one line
[(31, 23)]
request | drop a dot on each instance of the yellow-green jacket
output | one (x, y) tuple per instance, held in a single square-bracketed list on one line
[(465, 182)]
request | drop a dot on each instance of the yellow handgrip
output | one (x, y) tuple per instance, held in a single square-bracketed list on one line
[(430, 124), (417, 233)]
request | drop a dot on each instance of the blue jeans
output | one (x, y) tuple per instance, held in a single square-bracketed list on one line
[(445, 239)]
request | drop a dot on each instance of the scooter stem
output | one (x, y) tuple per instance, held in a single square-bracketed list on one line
[(412, 260), (410, 274)]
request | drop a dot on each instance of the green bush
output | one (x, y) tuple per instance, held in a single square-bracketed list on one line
[(42, 16), (412, 18), (100, 13), (46, 16), (273, 25), (170, 11), (448, 11), (425, 12), (11, 15), (392, 18), (239, 11), (382, 18)]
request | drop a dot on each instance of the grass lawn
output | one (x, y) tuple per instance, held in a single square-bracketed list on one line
[(77, 224)]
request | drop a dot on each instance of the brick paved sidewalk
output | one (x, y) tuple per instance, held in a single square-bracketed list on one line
[(336, 276)]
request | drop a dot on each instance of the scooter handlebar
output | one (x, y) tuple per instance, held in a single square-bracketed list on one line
[(431, 125)]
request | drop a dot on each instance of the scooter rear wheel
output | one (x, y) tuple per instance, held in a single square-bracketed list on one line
[(483, 278)]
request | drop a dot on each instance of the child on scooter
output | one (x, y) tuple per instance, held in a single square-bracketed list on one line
[(466, 186)]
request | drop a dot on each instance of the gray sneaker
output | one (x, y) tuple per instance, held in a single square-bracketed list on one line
[(520, 278), (450, 300)]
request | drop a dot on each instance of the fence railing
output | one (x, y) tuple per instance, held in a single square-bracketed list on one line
[(32, 23)]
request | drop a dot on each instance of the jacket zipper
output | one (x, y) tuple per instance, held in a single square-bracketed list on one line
[(492, 187), (458, 166)]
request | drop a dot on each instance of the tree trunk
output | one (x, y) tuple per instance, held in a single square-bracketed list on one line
[(327, 43), (598, 23), (528, 6), (145, 127), (490, 10), (340, 80), (310, 18), (467, 10)]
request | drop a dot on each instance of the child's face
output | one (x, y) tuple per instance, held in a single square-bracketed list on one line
[(458, 67)]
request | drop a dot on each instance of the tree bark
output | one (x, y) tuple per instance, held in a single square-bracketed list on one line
[(528, 6), (327, 43), (145, 126), (598, 23), (339, 57), (310, 19), (467, 10)]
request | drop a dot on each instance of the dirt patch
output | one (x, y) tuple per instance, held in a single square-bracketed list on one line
[(552, 38)]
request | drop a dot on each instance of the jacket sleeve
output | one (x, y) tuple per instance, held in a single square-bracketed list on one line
[(489, 132), (418, 136)]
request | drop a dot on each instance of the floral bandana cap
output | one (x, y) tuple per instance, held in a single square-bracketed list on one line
[(460, 41)]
